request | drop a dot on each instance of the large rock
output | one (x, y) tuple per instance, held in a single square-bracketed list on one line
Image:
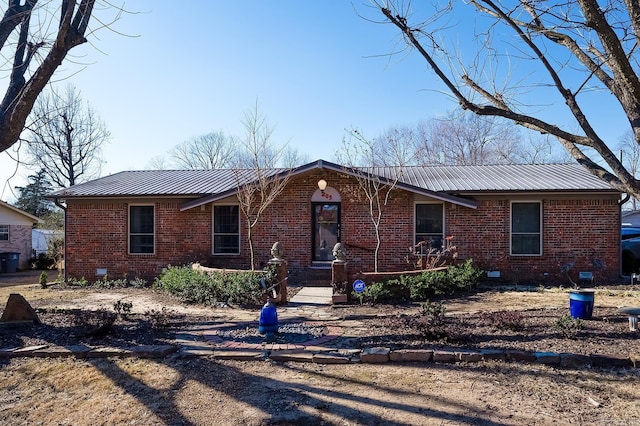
[(18, 309)]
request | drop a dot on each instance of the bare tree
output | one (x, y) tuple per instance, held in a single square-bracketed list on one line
[(66, 137), (38, 37), (259, 183), (158, 162), (571, 49), (210, 151), (366, 159), (465, 139)]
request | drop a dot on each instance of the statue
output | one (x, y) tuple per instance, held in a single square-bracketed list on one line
[(277, 251), (339, 253)]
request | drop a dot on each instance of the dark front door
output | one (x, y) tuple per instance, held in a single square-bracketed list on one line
[(326, 226)]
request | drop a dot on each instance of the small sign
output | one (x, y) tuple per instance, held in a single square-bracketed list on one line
[(358, 286)]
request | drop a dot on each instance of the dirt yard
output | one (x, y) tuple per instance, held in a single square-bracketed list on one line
[(206, 391)]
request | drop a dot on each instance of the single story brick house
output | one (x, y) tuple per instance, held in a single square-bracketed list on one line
[(525, 221), (15, 236)]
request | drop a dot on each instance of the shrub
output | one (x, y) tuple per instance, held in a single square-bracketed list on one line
[(567, 326), (424, 286), (43, 279), (384, 292), (158, 318), (72, 282), (96, 323), (431, 322), (42, 261), (195, 287), (123, 308), (505, 320)]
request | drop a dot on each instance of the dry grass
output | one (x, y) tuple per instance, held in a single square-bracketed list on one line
[(205, 392)]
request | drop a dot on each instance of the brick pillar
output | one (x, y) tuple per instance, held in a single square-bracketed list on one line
[(339, 274), (281, 278)]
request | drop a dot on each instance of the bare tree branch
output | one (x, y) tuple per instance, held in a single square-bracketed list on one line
[(27, 80), (598, 39)]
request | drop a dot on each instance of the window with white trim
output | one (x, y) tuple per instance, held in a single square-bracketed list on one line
[(526, 228), (142, 229), (429, 224), (226, 229), (4, 232)]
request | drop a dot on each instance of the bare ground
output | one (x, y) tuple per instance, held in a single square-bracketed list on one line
[(207, 391)]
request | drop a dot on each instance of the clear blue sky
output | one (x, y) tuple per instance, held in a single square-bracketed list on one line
[(316, 68)]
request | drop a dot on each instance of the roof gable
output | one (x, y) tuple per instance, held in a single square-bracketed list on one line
[(8, 211)]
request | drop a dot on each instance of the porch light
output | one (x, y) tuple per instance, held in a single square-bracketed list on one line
[(322, 184)]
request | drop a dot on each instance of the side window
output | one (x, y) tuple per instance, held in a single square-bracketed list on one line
[(4, 232), (141, 229), (526, 228), (226, 230), (429, 226)]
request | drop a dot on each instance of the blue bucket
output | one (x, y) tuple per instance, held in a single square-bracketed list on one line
[(581, 303), (268, 323)]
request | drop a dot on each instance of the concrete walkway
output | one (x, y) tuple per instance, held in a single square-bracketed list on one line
[(313, 296)]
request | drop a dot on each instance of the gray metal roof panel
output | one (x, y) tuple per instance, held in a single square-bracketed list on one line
[(522, 177)]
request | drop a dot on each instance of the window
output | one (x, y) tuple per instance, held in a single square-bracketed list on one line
[(4, 232), (141, 229), (526, 228), (430, 224), (226, 230)]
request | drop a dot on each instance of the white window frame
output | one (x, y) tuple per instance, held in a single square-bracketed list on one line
[(213, 229), (415, 217), (5, 232), (129, 233), (539, 233)]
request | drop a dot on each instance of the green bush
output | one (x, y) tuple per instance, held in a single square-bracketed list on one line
[(194, 287), (43, 280), (428, 284), (567, 326)]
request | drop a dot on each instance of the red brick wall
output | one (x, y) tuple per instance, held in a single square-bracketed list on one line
[(97, 233), (574, 230)]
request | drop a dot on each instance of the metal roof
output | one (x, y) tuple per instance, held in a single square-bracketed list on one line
[(437, 179), (503, 178), (159, 183)]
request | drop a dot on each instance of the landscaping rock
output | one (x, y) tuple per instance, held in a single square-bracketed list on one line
[(375, 355), (444, 356), (411, 355), (574, 360), (18, 309), (521, 356), (469, 356), (548, 358), (328, 358)]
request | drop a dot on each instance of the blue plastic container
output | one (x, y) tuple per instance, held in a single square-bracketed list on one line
[(581, 303), (268, 323)]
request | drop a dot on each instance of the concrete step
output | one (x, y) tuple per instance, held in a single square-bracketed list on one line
[(313, 296)]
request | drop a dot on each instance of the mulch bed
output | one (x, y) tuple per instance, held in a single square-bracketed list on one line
[(537, 330), (69, 327)]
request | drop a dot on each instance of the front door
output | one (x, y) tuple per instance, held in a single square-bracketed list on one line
[(326, 226)]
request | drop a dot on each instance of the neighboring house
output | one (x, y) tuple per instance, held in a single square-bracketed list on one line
[(15, 232), (525, 221)]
